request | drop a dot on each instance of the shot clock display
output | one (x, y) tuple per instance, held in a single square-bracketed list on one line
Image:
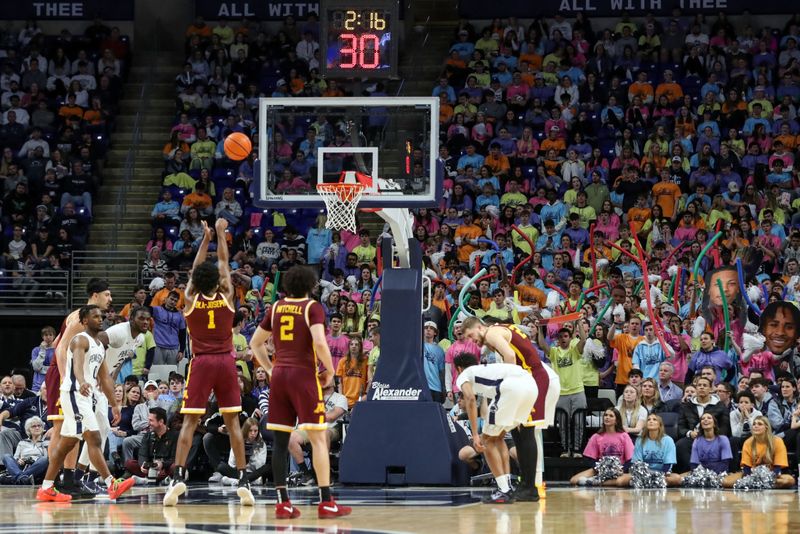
[(359, 38)]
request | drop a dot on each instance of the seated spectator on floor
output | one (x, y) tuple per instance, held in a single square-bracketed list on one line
[(140, 420), (29, 462), (255, 452), (157, 451)]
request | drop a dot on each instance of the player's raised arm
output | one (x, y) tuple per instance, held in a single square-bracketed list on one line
[(225, 283), (200, 258)]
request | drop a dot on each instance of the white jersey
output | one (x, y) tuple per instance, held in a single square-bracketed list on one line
[(121, 345), (92, 362), (486, 379)]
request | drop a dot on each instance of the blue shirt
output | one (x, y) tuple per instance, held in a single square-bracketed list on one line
[(316, 243), (660, 456), (648, 357), (167, 327), (434, 366), (554, 212), (451, 94), (476, 160)]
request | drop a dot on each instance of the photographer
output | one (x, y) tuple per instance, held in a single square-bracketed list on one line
[(157, 451)]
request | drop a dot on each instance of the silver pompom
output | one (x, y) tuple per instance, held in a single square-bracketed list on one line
[(607, 468), (703, 478), (642, 477), (760, 478)]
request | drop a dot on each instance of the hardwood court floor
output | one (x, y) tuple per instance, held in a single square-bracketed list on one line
[(416, 510)]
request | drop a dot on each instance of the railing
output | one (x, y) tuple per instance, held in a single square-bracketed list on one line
[(133, 151), (45, 290), (121, 270)]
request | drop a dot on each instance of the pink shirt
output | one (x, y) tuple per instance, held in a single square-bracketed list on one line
[(338, 346), (761, 361), (618, 444), (459, 346)]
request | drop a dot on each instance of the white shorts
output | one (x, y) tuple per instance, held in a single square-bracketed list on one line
[(79, 414), (511, 407), (550, 402)]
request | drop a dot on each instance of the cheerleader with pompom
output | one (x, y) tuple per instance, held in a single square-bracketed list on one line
[(653, 458), (611, 448), (762, 449), (711, 456)]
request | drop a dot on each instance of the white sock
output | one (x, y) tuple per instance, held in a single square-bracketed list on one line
[(109, 480), (47, 484), (502, 483)]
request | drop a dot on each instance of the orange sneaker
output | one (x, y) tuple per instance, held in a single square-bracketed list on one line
[(51, 494), (119, 486), (331, 510), (285, 510)]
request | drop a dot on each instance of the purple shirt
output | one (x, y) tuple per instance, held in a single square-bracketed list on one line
[(714, 455), (167, 326)]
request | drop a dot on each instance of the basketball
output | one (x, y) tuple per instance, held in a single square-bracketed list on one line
[(237, 146)]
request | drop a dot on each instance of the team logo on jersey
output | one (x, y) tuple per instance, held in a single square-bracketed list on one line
[(320, 408), (386, 392)]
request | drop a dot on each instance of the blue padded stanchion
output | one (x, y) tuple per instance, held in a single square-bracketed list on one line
[(399, 435)]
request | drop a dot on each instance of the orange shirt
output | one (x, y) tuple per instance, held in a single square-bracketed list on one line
[(499, 165), (445, 113), (197, 200), (624, 343), (529, 295), (637, 217), (673, 91), (643, 90), (779, 457), (161, 297), (667, 195), (534, 60), (353, 379), (557, 143), (467, 232)]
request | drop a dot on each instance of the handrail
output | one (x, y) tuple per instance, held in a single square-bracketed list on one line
[(133, 150)]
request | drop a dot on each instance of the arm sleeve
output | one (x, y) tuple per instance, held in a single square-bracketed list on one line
[(148, 357), (182, 339)]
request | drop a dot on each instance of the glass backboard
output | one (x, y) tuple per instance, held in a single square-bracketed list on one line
[(306, 141)]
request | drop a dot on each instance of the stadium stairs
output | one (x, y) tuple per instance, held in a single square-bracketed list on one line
[(157, 114)]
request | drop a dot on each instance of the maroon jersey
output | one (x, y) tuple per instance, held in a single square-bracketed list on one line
[(527, 355), (209, 322), (290, 322)]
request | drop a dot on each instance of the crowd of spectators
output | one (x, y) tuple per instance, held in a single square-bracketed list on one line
[(58, 98)]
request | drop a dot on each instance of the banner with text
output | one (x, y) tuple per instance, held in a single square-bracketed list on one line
[(258, 9), (67, 10), (480, 10)]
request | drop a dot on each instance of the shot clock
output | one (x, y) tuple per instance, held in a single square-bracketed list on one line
[(359, 38)]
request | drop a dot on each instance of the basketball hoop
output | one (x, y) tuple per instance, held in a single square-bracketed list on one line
[(341, 201)]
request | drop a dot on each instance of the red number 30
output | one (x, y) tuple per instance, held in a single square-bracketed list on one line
[(356, 48)]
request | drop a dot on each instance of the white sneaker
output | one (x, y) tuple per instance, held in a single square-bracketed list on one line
[(142, 481), (216, 477), (175, 490), (228, 481)]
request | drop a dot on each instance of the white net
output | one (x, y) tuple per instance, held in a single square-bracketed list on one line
[(341, 202)]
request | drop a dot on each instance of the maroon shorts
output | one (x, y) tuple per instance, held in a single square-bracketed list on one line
[(209, 372), (52, 381), (295, 397)]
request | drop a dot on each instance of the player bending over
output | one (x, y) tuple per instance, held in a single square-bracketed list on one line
[(512, 392), (295, 396)]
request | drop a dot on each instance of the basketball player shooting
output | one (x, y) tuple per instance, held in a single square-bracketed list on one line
[(209, 320), (99, 294), (86, 372), (296, 387)]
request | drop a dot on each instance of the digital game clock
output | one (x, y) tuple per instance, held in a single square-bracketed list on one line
[(359, 38)]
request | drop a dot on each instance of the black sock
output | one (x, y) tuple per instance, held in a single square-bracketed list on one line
[(68, 477), (528, 439), (522, 458), (180, 473), (283, 495), (280, 458), (325, 493), (303, 467)]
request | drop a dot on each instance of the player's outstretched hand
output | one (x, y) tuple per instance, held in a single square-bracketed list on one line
[(206, 230), (220, 226), (325, 378), (86, 389)]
